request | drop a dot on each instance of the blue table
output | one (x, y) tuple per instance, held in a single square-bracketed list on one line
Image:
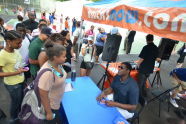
[(81, 107)]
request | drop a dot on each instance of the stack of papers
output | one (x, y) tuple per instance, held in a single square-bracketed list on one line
[(68, 87)]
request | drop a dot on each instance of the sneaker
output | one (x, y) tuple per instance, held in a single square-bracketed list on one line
[(179, 94), (173, 102)]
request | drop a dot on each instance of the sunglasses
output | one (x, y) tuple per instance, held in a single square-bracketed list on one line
[(122, 67)]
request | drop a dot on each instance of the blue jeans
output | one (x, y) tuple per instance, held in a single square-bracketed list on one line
[(16, 95)]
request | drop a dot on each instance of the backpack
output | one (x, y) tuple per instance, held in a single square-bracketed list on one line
[(32, 111)]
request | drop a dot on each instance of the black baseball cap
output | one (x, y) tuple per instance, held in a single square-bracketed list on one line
[(47, 31)]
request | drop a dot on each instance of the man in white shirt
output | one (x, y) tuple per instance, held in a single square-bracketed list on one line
[(77, 39)]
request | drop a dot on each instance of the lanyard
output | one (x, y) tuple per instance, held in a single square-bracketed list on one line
[(56, 72)]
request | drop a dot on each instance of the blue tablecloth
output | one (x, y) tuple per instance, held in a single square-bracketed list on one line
[(81, 107)]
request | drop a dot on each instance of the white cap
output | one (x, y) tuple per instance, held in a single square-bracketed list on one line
[(90, 37)]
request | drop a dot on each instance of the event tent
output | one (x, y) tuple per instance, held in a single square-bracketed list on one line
[(165, 18)]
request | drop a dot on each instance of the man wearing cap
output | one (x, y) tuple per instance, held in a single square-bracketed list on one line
[(31, 24), (35, 49), (178, 77), (87, 51), (125, 92)]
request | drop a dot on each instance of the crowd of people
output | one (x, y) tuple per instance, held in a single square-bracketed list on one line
[(38, 46)]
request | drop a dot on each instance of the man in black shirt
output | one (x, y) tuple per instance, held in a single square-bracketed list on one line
[(146, 63), (31, 24)]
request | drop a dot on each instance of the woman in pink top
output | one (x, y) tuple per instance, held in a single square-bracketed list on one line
[(43, 16), (52, 84), (90, 31)]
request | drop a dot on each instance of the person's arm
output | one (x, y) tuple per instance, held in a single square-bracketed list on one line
[(104, 93), (139, 61), (46, 103), (94, 52), (7, 74), (33, 55), (83, 51), (75, 40), (42, 58), (142, 56), (72, 53), (44, 85), (120, 105), (34, 62)]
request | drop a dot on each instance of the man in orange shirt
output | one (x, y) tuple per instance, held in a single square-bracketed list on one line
[(66, 23)]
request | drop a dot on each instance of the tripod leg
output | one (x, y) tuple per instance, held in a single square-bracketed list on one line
[(160, 79), (100, 81), (154, 80), (104, 81)]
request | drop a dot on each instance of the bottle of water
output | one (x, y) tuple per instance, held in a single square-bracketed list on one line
[(73, 68)]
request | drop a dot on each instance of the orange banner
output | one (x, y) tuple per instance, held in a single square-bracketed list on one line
[(163, 22)]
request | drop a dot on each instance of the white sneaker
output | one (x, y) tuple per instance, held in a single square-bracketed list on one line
[(173, 102), (177, 96), (181, 95)]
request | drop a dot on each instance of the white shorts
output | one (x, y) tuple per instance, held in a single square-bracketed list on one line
[(123, 112)]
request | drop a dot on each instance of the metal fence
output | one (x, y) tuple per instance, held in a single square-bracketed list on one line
[(10, 5)]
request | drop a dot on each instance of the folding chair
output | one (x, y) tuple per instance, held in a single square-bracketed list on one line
[(137, 113)]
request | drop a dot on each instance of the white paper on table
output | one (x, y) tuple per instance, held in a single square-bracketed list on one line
[(68, 87)]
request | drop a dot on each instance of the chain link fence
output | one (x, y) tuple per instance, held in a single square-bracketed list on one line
[(10, 7)]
